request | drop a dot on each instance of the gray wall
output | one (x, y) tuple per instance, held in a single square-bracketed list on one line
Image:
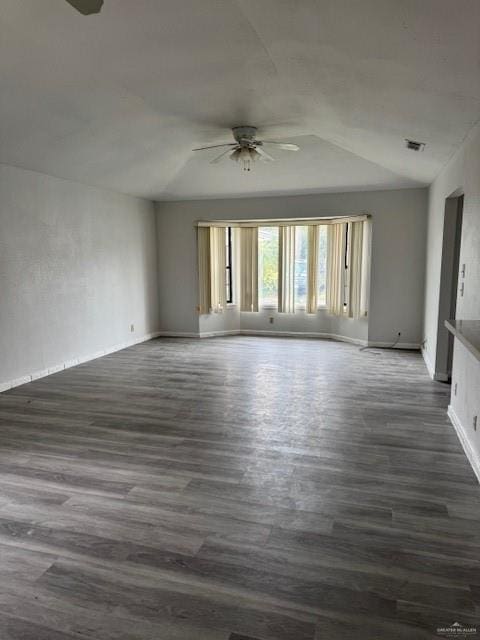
[(78, 266), (461, 174), (398, 261)]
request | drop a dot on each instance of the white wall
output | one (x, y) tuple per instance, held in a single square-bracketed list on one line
[(78, 266), (397, 278), (461, 174), (465, 405)]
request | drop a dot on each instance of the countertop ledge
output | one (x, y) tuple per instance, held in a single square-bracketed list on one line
[(468, 332)]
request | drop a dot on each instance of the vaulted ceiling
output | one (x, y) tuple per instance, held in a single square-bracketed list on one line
[(119, 99)]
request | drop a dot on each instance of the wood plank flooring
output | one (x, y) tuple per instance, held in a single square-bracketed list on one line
[(236, 488)]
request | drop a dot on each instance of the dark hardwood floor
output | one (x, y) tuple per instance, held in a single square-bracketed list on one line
[(236, 488)]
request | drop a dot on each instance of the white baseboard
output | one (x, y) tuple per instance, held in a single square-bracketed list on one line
[(399, 345), (36, 375), (301, 334), (289, 334), (329, 336), (261, 332), (200, 334), (464, 441), (213, 334), (467, 447), (178, 334)]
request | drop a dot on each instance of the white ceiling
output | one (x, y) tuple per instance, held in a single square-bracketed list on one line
[(119, 99)]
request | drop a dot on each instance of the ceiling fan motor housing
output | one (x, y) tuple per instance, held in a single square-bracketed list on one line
[(244, 135)]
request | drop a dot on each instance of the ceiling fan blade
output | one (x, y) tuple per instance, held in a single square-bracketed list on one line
[(264, 155), (87, 7), (216, 146), (222, 155), (286, 146)]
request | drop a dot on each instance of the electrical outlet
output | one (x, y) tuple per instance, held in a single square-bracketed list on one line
[(132, 328), (455, 388), (474, 423), (270, 319)]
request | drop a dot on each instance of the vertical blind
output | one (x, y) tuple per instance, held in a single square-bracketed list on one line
[(312, 268), (249, 269), (204, 279), (211, 270), (336, 236), (355, 270), (286, 269), (347, 267)]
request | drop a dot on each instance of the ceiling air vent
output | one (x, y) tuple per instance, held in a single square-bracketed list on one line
[(413, 145)]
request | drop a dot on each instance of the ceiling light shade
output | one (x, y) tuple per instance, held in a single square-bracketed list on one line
[(245, 155), (235, 155)]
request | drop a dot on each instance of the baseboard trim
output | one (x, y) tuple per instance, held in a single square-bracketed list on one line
[(415, 346), (289, 334), (464, 441), (178, 334), (213, 334), (302, 334), (36, 375)]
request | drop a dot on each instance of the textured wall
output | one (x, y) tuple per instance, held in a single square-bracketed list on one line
[(461, 173), (78, 266), (398, 259)]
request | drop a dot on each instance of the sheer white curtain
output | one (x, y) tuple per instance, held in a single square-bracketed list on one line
[(336, 244), (286, 269), (248, 269), (212, 293)]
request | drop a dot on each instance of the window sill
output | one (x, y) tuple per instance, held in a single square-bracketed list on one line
[(274, 308)]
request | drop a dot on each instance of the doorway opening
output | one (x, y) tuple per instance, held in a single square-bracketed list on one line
[(449, 284)]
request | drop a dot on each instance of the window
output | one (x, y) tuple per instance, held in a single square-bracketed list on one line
[(301, 248), (268, 266), (228, 266), (322, 267), (301, 266)]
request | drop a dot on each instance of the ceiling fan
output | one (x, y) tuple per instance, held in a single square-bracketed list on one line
[(87, 7), (247, 149)]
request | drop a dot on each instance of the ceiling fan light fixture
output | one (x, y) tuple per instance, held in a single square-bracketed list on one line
[(247, 149), (245, 155)]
